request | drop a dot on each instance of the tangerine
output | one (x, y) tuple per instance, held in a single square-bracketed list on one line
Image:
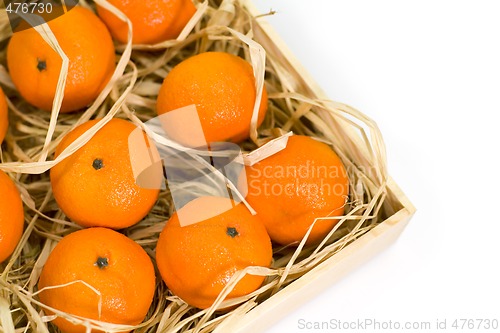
[(197, 260), (222, 86), (4, 117), (293, 187), (117, 268), (152, 21), (34, 66), (11, 216), (95, 186)]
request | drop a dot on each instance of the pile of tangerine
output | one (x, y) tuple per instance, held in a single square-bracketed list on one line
[(95, 186)]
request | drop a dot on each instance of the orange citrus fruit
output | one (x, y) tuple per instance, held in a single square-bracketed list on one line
[(196, 261), (4, 117), (11, 216), (100, 258), (185, 13), (292, 188), (222, 86), (95, 186), (152, 21), (34, 66)]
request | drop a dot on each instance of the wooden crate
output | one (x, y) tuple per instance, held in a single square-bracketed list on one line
[(333, 269), (317, 279)]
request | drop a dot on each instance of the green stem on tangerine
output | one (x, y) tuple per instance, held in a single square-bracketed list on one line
[(41, 65), (101, 262), (98, 164), (232, 232)]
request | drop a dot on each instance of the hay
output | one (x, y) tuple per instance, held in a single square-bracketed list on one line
[(27, 155)]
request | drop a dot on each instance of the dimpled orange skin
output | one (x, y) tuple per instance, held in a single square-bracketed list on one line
[(222, 86), (197, 261), (4, 117), (107, 196), (124, 275), (185, 13), (152, 21), (34, 66), (290, 189), (11, 216)]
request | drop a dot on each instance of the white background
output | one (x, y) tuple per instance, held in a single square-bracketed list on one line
[(428, 72)]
